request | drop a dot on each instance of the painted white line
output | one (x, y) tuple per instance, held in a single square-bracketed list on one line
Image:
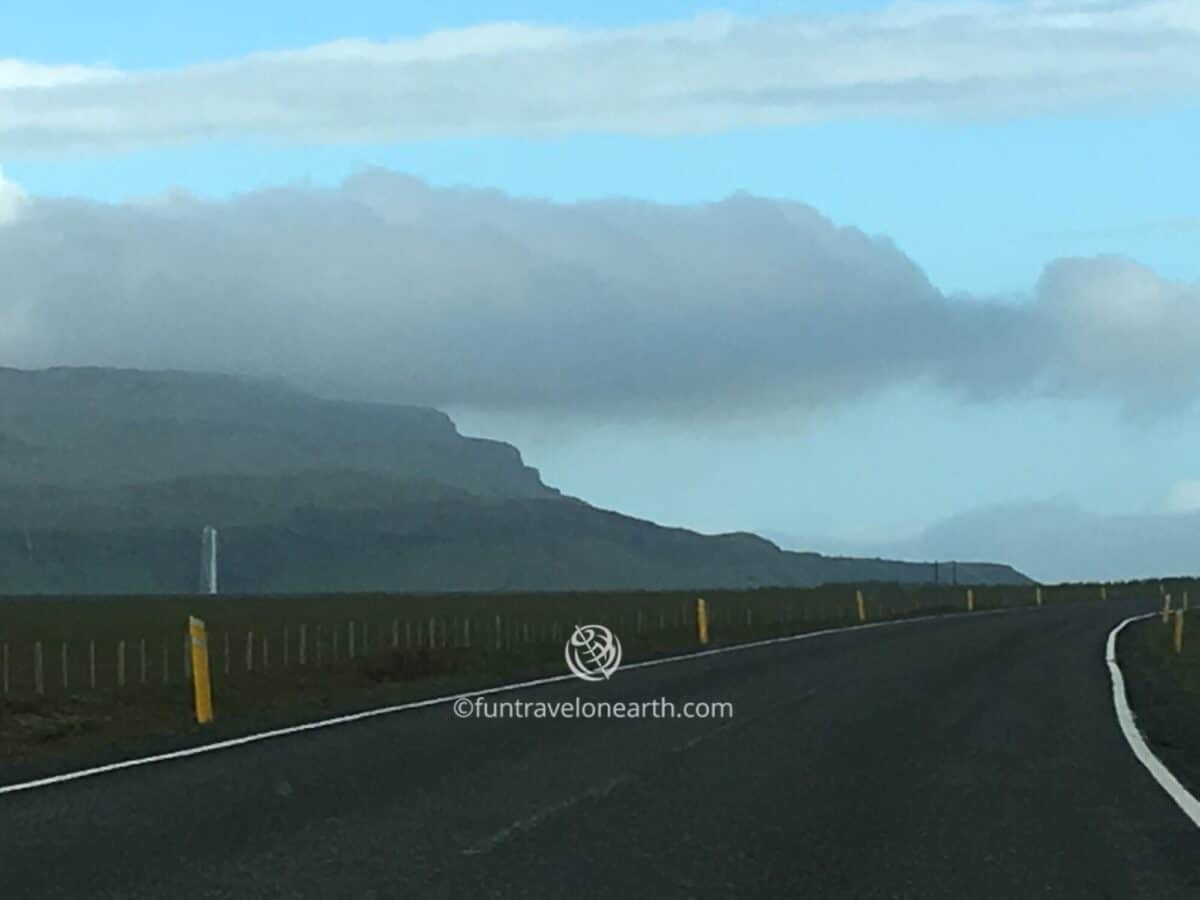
[(435, 701), (1169, 783)]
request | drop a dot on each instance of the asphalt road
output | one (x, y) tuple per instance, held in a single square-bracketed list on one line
[(967, 757)]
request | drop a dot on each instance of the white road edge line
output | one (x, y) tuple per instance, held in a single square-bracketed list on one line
[(1168, 782), (434, 701)]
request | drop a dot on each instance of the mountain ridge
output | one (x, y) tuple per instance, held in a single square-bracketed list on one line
[(107, 477)]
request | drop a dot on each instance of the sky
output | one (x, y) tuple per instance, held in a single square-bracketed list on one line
[(916, 279)]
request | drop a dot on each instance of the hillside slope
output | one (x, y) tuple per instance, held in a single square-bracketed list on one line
[(107, 477)]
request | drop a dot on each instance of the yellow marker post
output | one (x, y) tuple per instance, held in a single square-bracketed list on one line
[(1178, 631), (862, 607), (970, 600), (201, 685), (702, 619)]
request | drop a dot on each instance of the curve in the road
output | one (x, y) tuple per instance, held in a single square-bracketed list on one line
[(1169, 783)]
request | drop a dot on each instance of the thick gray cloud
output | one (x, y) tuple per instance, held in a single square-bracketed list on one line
[(941, 61), (385, 287)]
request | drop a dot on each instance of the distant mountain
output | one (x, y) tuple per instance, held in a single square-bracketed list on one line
[(107, 477), (1061, 541), (1052, 540)]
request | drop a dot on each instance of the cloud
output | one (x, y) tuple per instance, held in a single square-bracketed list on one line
[(1184, 496), (12, 200), (387, 288), (940, 61), (1116, 326)]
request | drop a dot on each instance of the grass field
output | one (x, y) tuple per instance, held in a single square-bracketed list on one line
[(1164, 691), (91, 677)]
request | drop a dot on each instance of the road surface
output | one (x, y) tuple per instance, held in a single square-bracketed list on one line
[(967, 757)]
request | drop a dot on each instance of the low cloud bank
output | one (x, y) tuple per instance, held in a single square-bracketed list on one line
[(387, 288)]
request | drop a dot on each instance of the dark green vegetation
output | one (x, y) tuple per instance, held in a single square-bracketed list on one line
[(108, 476), (1164, 690), (477, 640)]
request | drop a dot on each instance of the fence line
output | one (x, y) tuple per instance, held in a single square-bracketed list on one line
[(343, 647)]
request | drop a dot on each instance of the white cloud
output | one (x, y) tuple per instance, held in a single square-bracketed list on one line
[(944, 61), (1117, 325), (12, 200), (1184, 496), (17, 75)]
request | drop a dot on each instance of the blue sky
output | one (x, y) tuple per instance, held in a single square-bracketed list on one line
[(980, 202)]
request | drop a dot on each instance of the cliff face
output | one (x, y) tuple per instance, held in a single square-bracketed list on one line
[(107, 477), (105, 428)]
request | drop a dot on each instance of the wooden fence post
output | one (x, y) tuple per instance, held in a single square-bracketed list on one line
[(92, 664), (120, 664), (303, 643), (862, 608), (39, 683)]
